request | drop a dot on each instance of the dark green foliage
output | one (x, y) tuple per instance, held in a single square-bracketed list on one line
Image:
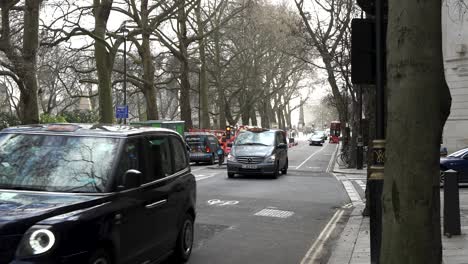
[(81, 116), (7, 120)]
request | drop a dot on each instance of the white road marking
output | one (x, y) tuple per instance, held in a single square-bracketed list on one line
[(313, 154), (203, 177), (330, 164), (317, 246), (274, 213), (221, 202), (352, 193), (197, 169), (362, 184)]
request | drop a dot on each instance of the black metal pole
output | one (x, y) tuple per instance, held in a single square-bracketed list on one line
[(377, 176), (360, 143), (125, 72), (199, 100)]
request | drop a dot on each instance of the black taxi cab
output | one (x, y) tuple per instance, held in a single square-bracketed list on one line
[(94, 194)]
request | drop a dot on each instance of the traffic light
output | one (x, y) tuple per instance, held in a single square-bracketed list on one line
[(228, 132), (363, 51)]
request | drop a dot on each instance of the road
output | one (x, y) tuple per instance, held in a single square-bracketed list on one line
[(260, 220)]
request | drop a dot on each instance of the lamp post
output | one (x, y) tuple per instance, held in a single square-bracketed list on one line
[(125, 31), (376, 178)]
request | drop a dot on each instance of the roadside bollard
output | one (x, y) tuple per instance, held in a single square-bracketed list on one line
[(451, 204)]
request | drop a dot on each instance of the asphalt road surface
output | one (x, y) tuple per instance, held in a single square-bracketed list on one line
[(261, 220)]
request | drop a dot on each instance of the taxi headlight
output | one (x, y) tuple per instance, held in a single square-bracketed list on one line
[(38, 240)]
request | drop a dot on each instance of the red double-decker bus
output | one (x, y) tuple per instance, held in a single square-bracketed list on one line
[(335, 131)]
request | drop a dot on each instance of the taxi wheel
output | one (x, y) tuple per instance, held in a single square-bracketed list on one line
[(184, 243), (230, 175), (100, 256)]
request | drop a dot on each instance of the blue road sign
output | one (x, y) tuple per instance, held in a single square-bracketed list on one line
[(121, 111)]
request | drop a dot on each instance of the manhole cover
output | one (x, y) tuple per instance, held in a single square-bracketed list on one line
[(275, 213)]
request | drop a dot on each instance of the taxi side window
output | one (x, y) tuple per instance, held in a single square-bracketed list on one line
[(180, 154), (159, 161), (130, 157)]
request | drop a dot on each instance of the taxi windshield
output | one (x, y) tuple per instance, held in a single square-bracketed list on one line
[(56, 163)]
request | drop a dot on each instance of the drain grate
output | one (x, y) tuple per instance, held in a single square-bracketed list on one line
[(275, 213)]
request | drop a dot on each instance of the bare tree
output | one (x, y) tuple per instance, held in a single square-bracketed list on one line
[(19, 42)]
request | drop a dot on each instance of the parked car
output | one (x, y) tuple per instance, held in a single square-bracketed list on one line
[(317, 139), (204, 147), (94, 194), (259, 151), (457, 161), (443, 151)]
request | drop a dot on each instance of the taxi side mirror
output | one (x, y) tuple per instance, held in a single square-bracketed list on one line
[(131, 179)]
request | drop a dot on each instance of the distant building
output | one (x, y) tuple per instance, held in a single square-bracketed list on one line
[(455, 49)]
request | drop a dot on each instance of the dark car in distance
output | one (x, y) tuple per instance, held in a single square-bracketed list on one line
[(259, 151), (457, 161), (204, 147), (94, 194)]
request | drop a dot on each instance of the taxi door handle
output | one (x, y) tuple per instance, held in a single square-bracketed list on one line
[(156, 204)]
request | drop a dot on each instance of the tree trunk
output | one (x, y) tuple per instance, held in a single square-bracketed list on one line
[(418, 106), (29, 106), (253, 117), (148, 77), (101, 12), (185, 109), (265, 111), (203, 89)]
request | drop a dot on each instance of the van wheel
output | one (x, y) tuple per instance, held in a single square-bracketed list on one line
[(100, 256), (212, 160), (276, 172), (284, 171), (184, 243)]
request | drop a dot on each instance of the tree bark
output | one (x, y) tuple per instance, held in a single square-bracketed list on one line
[(23, 63), (29, 102), (418, 106), (185, 109), (104, 65), (205, 117), (148, 86)]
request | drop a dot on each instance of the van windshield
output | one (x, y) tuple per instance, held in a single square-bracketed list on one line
[(56, 163), (255, 138)]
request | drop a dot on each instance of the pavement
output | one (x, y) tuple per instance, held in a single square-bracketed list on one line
[(352, 246)]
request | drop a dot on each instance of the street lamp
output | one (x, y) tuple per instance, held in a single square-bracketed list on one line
[(125, 31)]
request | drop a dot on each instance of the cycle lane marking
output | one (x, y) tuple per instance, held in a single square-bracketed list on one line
[(313, 154)]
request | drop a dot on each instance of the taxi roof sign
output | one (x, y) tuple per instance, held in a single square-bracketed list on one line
[(62, 127)]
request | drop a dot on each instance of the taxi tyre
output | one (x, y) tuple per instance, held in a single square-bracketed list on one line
[(100, 256), (230, 175), (184, 244)]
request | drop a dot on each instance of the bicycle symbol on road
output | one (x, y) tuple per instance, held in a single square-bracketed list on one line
[(221, 202)]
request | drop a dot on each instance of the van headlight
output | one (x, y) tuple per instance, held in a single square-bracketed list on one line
[(36, 241), (231, 158), (271, 158)]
